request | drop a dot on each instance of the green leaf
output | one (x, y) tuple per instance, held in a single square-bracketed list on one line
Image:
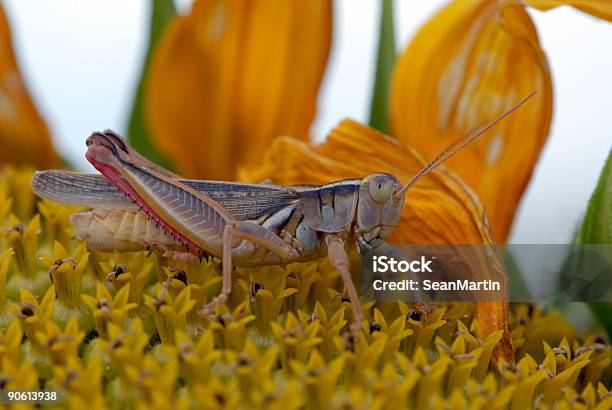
[(603, 312), (597, 224), (518, 286), (597, 228), (139, 135), (379, 109)]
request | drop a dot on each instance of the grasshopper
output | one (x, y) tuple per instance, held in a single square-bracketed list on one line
[(243, 224)]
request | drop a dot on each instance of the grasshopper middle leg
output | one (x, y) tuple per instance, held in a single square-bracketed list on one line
[(254, 233)]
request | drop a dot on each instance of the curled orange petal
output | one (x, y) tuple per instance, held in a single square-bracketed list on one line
[(233, 74), (470, 63), (597, 8), (24, 138), (440, 209)]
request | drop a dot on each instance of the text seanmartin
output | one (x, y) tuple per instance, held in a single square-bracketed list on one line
[(455, 285)]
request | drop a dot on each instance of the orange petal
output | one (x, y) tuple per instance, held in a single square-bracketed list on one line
[(470, 63), (440, 209), (598, 8), (233, 74), (24, 138)]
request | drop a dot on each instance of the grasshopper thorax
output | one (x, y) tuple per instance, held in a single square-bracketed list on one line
[(378, 209)]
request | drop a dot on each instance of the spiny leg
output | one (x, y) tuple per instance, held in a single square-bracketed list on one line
[(338, 257), (226, 287), (167, 252), (253, 233)]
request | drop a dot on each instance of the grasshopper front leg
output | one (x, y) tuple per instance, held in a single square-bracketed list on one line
[(336, 251)]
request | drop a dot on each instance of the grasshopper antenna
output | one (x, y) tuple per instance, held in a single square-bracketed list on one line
[(458, 145)]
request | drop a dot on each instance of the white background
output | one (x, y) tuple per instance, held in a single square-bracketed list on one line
[(81, 61)]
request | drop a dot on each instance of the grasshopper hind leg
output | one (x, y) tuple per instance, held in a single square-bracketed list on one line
[(167, 251), (226, 287)]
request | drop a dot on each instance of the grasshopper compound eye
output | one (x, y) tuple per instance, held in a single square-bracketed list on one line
[(381, 188)]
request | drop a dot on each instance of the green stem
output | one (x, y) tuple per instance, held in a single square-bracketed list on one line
[(379, 109), (139, 134)]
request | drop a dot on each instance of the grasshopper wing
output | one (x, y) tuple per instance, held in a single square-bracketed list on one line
[(244, 201), (74, 188)]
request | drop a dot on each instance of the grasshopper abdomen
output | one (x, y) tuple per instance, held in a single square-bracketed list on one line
[(110, 230)]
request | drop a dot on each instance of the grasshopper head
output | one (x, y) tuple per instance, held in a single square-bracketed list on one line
[(378, 208)]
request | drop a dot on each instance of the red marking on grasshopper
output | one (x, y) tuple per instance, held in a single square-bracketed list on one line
[(118, 181)]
